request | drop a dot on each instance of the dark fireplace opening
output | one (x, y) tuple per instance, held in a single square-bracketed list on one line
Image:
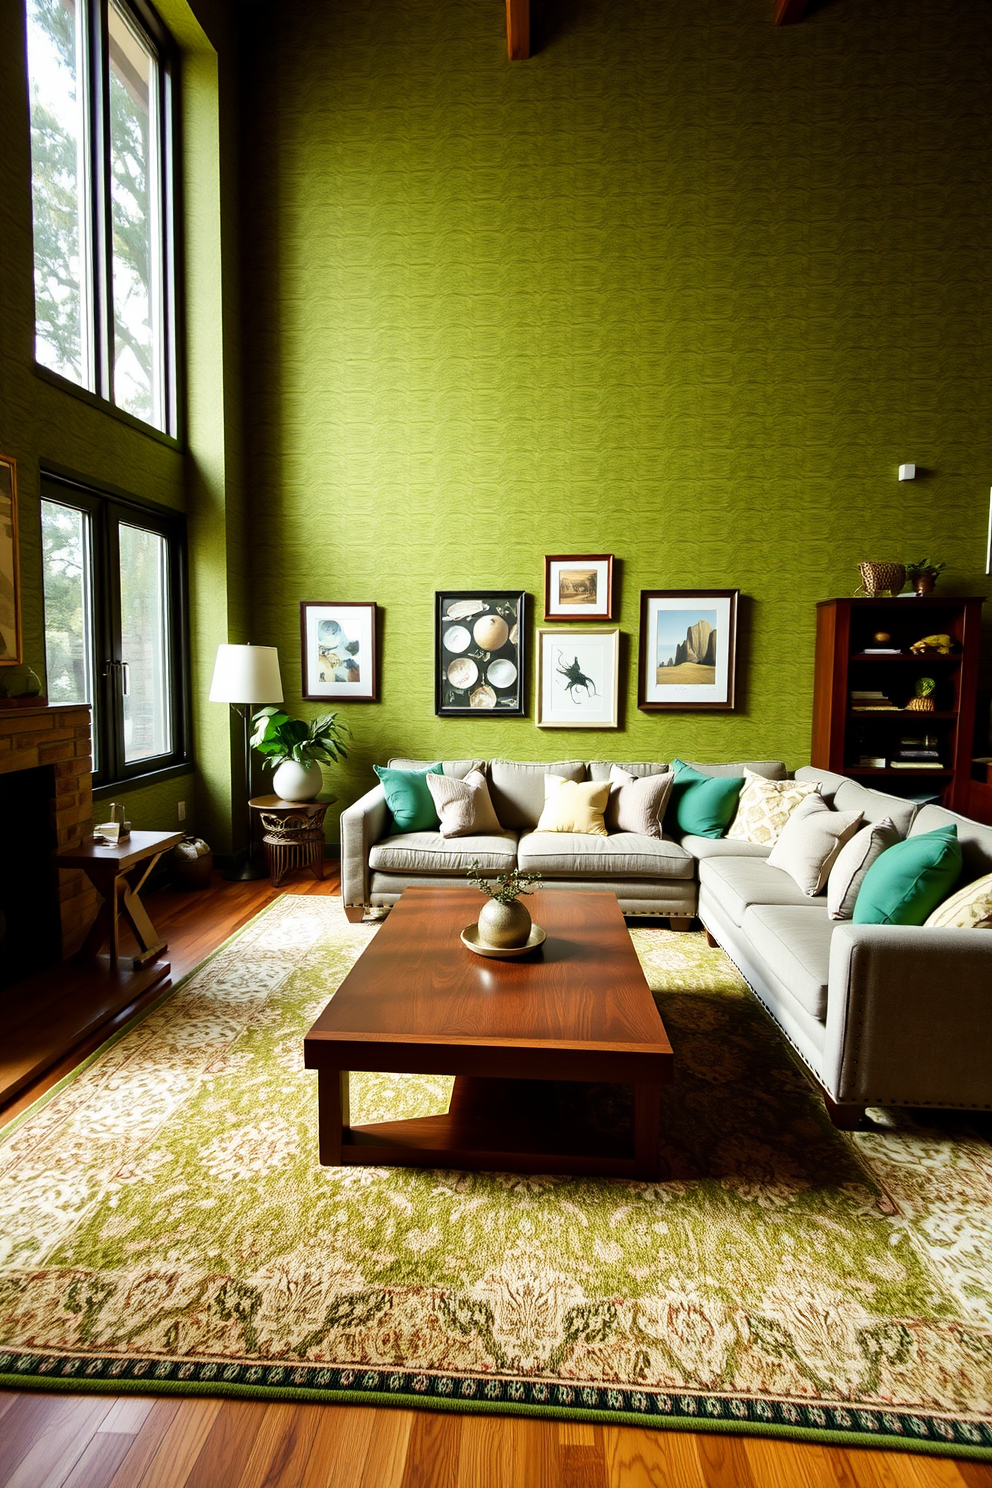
[(29, 886)]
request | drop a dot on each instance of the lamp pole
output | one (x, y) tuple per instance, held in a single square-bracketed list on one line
[(246, 677)]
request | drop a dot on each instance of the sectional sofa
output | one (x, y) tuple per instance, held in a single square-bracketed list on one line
[(880, 1014)]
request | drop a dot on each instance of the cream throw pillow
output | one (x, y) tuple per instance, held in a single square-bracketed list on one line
[(766, 805), (810, 841), (574, 806), (853, 862), (969, 909), (637, 802), (464, 806)]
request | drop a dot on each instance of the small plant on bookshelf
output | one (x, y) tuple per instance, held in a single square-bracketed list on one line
[(923, 575)]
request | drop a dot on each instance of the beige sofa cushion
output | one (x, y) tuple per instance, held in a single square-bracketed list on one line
[(875, 805), (574, 806), (426, 852), (457, 769), (795, 946), (809, 842), (463, 806), (517, 790), (571, 855), (737, 883), (975, 839), (600, 769), (852, 863), (637, 803), (721, 847)]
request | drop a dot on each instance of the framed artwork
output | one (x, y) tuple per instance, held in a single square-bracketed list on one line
[(578, 588), (479, 653), (577, 672), (10, 579), (688, 649), (339, 651)]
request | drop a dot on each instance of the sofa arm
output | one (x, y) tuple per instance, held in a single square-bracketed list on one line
[(908, 1016), (362, 824)]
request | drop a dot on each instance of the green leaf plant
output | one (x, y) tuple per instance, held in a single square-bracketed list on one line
[(280, 738)]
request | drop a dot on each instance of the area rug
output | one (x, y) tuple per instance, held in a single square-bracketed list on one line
[(166, 1227)]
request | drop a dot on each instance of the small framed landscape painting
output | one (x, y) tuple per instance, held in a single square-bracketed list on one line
[(578, 588), (688, 649), (578, 674), (10, 583), (479, 653), (339, 651)]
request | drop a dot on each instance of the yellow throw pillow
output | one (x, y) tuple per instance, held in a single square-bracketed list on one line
[(969, 909), (574, 806), (766, 805)]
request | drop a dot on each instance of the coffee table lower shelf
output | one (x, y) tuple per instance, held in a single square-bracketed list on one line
[(520, 1126)]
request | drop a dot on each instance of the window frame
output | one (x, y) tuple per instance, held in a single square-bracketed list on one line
[(96, 208), (106, 509)]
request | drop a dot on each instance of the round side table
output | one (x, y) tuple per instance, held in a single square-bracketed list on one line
[(292, 834)]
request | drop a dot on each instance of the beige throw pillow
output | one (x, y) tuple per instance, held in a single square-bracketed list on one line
[(969, 909), (810, 841), (766, 805), (637, 803), (574, 806), (463, 806), (853, 862)]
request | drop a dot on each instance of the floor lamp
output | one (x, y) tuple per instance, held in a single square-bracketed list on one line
[(247, 677)]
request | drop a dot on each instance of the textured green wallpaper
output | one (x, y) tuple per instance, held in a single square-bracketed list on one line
[(683, 287)]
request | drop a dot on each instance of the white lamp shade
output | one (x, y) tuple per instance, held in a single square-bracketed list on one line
[(246, 674)]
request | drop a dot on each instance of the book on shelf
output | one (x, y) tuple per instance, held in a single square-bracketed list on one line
[(898, 764), (875, 708), (882, 651), (919, 754), (868, 694)]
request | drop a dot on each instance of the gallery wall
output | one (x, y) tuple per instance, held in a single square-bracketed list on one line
[(683, 287)]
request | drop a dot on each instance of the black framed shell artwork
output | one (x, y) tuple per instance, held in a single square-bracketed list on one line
[(479, 653)]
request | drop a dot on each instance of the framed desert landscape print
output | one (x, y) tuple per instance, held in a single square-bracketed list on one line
[(479, 653), (339, 651), (577, 678), (10, 582), (578, 588), (688, 649)]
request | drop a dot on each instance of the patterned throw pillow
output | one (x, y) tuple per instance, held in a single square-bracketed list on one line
[(766, 805), (969, 909)]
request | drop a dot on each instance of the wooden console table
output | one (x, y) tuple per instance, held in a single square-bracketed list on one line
[(118, 874), (292, 834)]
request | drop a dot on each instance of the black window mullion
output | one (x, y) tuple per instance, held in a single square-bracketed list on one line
[(103, 298)]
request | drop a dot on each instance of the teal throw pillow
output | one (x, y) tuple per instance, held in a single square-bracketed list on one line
[(702, 805), (409, 798), (905, 883)]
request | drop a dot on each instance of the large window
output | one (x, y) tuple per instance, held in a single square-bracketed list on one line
[(101, 106), (115, 625)]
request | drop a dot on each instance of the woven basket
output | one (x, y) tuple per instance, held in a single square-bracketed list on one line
[(880, 579)]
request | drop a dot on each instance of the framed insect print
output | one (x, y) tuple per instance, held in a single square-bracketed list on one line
[(578, 587), (339, 651), (578, 678), (688, 649), (479, 653)]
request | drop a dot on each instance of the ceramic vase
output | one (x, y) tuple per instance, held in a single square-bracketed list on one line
[(506, 925), (293, 782)]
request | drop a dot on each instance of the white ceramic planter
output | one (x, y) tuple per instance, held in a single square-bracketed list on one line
[(295, 782)]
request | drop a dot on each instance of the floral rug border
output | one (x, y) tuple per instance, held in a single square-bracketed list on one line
[(834, 1424)]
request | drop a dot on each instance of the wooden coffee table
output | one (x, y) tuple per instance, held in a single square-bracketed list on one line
[(520, 1036)]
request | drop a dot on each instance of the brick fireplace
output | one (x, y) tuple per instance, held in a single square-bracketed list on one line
[(60, 737)]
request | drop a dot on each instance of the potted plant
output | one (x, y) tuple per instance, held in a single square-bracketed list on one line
[(923, 575), (296, 750), (504, 921)]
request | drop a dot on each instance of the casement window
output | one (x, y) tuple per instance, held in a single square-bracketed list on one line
[(101, 83), (115, 625)]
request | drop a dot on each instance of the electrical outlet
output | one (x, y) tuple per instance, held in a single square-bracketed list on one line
[(182, 810)]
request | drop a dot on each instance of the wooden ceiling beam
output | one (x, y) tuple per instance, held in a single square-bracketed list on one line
[(787, 12), (517, 30)]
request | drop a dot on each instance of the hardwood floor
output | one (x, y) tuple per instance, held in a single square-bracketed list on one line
[(82, 1441)]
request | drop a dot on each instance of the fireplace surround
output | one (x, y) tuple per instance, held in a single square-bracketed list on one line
[(38, 734)]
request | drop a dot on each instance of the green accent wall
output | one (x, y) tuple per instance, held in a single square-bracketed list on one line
[(684, 287)]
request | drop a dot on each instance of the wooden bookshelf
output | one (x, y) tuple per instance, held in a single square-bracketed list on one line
[(843, 735)]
